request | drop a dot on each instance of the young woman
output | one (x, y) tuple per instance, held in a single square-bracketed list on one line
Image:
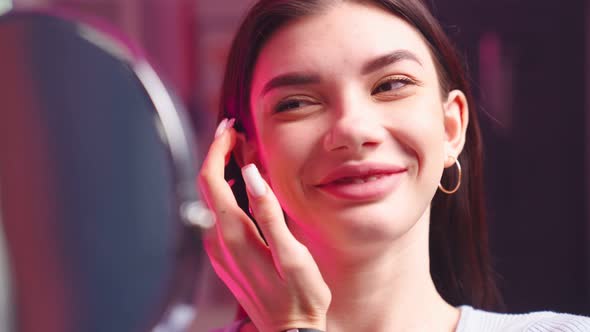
[(360, 153)]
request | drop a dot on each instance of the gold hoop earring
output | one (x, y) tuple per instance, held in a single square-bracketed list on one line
[(454, 190)]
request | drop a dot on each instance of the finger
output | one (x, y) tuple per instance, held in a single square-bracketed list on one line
[(211, 243), (233, 225), (243, 270), (268, 213), (212, 184), (217, 192)]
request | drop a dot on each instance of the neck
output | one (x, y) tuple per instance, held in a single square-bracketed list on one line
[(385, 288)]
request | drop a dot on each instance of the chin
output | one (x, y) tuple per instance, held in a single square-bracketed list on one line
[(361, 225)]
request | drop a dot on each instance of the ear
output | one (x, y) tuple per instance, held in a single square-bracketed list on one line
[(456, 119), (246, 151)]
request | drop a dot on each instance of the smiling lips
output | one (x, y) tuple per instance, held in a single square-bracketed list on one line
[(362, 182)]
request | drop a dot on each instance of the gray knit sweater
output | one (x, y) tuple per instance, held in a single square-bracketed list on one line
[(542, 321), (473, 320)]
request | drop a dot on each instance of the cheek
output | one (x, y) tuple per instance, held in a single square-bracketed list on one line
[(286, 153), (284, 145), (419, 128)]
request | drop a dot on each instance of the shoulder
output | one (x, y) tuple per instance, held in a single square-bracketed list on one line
[(542, 321)]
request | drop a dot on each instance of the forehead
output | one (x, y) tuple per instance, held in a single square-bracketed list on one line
[(337, 41)]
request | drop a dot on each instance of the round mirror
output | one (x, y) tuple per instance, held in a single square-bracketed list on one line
[(97, 180)]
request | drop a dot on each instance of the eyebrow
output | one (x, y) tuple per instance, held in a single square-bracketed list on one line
[(296, 78), (290, 79), (389, 59)]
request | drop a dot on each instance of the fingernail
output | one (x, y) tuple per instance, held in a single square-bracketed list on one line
[(254, 182), (292, 330), (230, 123), (221, 128)]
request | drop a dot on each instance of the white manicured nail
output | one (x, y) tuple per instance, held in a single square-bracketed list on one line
[(221, 128), (230, 123), (254, 182)]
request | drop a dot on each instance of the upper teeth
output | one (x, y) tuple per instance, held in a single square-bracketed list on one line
[(360, 180)]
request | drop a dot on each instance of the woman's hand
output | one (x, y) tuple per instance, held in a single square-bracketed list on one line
[(279, 285)]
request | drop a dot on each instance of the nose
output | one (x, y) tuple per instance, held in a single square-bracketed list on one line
[(354, 127)]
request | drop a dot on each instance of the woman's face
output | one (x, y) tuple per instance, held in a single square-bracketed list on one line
[(351, 129)]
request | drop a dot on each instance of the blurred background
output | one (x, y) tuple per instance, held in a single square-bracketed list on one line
[(528, 60)]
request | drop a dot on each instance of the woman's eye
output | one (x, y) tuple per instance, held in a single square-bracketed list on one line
[(290, 104), (392, 84)]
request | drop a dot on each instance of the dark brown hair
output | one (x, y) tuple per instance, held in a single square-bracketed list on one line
[(459, 257)]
